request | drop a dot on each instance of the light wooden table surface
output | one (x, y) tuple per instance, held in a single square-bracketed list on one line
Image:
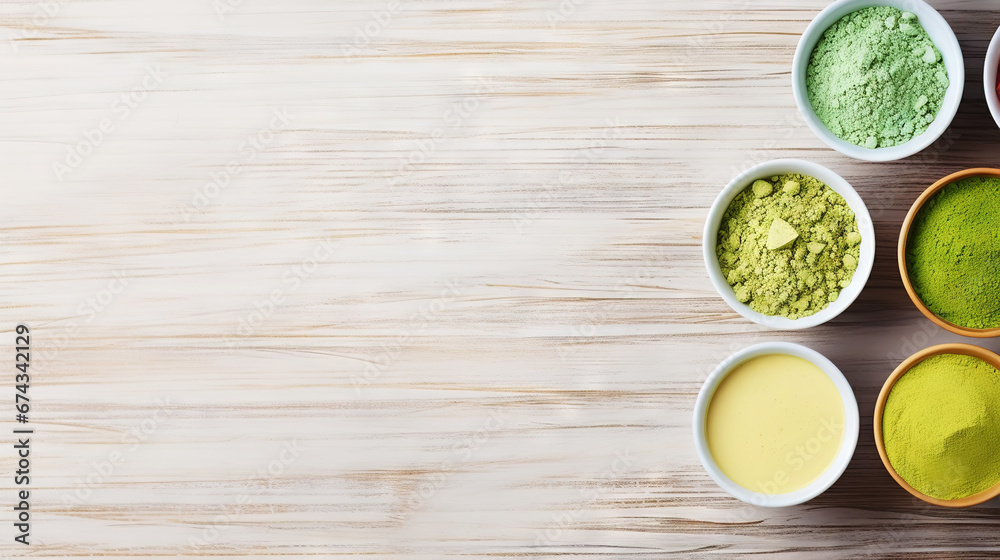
[(418, 278)]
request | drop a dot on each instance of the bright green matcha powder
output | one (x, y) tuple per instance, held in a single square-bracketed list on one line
[(875, 78), (941, 426), (953, 253), (787, 245)]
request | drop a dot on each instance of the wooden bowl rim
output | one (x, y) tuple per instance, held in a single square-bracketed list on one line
[(904, 237), (952, 348)]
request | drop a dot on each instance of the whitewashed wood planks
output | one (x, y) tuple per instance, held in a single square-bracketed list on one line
[(484, 220)]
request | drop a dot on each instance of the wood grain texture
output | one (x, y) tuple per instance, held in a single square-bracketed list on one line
[(449, 303)]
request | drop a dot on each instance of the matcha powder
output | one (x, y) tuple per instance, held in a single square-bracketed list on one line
[(875, 78), (941, 426), (788, 245), (953, 253)]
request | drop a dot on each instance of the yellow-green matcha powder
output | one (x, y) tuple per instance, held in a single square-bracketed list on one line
[(788, 245), (941, 426), (875, 78)]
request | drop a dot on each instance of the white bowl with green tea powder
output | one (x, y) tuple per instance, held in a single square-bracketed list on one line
[(878, 80), (778, 246)]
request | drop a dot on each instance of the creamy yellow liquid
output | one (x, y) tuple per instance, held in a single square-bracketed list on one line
[(775, 424)]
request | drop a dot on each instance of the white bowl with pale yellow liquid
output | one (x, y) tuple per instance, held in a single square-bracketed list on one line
[(776, 424)]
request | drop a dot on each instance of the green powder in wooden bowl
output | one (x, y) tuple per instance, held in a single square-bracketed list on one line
[(953, 253), (941, 426)]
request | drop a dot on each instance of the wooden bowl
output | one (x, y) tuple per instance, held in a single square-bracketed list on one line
[(955, 348), (905, 235)]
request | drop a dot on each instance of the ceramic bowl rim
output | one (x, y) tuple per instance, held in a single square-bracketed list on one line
[(990, 67)]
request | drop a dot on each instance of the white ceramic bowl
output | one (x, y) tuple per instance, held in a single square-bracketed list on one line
[(851, 426), (990, 77), (938, 30), (832, 180)]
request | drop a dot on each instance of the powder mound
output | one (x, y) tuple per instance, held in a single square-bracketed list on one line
[(941, 426), (875, 78), (953, 253), (788, 245)]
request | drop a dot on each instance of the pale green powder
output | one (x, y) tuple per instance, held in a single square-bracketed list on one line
[(787, 245), (875, 78)]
